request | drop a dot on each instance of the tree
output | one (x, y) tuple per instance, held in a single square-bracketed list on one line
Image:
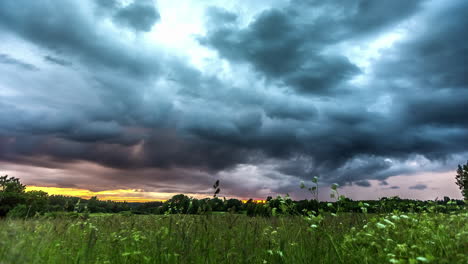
[(180, 203), (234, 204), (462, 179), (11, 184), (11, 193), (94, 205), (37, 202)]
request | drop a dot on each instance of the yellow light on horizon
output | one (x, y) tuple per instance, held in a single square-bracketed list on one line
[(119, 195)]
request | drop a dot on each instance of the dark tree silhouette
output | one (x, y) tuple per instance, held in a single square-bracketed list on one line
[(462, 179), (11, 193)]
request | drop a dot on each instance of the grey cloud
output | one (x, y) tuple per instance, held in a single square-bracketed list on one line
[(6, 59), (295, 114), (109, 4), (139, 15), (418, 187), (363, 183), (57, 61), (289, 45), (83, 40), (277, 48), (219, 16)]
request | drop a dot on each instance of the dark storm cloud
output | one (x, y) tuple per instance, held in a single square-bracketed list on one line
[(6, 59), (383, 183), (120, 73), (290, 44), (418, 187), (140, 15), (277, 48), (131, 108), (363, 183), (72, 31), (58, 61), (437, 48), (108, 4)]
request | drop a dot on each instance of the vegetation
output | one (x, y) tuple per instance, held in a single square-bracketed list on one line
[(233, 238), (462, 179), (15, 202), (55, 229)]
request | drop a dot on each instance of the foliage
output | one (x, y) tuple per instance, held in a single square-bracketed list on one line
[(11, 194), (462, 179), (11, 184), (19, 211), (409, 238), (59, 229), (40, 203), (216, 188), (345, 238)]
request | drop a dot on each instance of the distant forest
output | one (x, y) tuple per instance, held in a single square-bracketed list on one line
[(16, 202)]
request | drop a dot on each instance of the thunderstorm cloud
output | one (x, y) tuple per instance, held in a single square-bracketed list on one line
[(170, 96)]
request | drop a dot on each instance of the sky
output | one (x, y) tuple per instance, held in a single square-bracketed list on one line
[(140, 100)]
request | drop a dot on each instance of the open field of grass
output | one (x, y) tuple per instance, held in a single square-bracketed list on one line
[(233, 238)]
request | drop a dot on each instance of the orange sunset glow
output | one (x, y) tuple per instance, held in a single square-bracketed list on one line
[(119, 195), (129, 195)]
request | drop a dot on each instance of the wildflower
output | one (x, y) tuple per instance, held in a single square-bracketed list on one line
[(380, 225), (389, 222), (422, 259)]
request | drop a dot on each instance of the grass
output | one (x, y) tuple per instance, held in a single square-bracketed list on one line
[(231, 238)]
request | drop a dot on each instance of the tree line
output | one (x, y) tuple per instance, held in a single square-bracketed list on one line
[(16, 202)]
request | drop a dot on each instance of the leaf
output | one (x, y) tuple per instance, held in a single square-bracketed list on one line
[(302, 185)]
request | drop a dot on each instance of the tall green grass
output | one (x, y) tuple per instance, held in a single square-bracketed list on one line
[(232, 238)]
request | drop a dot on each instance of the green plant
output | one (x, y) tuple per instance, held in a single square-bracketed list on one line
[(313, 189), (216, 188), (11, 194)]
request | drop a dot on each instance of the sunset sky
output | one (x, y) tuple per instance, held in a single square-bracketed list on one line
[(140, 100)]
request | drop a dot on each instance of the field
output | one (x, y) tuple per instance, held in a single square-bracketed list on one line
[(235, 238)]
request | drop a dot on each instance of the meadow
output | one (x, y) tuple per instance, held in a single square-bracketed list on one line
[(38, 228), (424, 237)]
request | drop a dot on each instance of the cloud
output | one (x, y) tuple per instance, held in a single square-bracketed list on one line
[(294, 45), (108, 4), (139, 15), (363, 183), (383, 183), (279, 95), (5, 59), (86, 40), (57, 61), (418, 187), (276, 47)]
